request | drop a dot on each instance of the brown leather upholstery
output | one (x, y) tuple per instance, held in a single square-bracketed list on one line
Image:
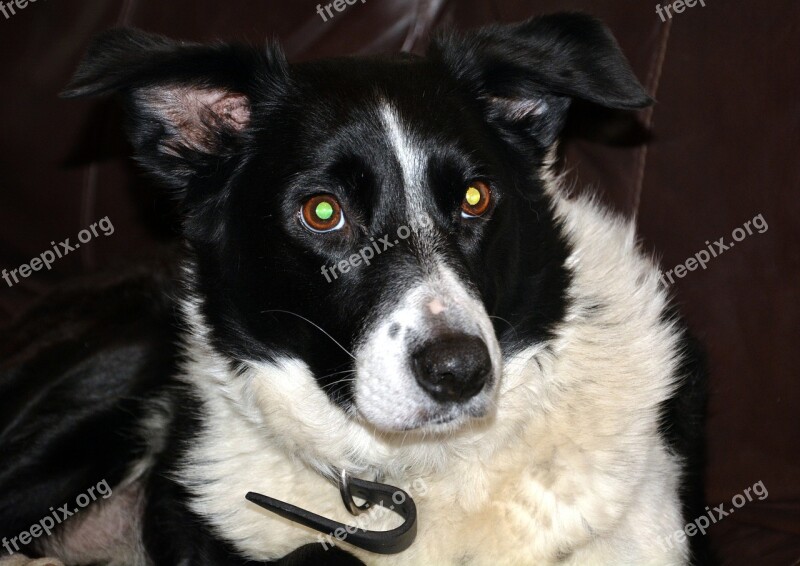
[(723, 148)]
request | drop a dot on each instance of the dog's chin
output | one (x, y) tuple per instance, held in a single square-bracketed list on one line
[(440, 420)]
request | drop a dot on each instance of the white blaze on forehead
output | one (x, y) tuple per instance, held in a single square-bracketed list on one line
[(412, 162)]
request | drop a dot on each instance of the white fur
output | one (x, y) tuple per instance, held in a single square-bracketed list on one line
[(569, 468), (412, 163)]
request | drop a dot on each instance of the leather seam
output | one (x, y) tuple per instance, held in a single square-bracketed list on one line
[(653, 81)]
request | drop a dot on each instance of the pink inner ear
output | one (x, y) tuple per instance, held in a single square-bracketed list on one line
[(196, 116), (232, 109)]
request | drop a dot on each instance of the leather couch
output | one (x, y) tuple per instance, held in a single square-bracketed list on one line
[(718, 149)]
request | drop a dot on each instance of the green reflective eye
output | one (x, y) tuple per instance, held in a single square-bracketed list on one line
[(324, 210), (473, 196), (321, 213)]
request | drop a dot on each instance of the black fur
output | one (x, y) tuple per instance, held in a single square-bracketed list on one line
[(683, 426)]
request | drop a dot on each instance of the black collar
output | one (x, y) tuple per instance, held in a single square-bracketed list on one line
[(375, 494)]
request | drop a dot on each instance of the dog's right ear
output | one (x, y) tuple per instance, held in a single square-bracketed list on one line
[(189, 105), (525, 75)]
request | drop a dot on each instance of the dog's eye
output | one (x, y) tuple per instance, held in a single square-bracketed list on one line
[(322, 213), (476, 199)]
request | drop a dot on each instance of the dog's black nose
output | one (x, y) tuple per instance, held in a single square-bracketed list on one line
[(452, 368)]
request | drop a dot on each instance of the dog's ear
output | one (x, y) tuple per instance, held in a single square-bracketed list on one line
[(526, 74), (188, 105)]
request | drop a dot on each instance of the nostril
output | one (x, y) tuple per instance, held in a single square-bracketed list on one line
[(453, 368)]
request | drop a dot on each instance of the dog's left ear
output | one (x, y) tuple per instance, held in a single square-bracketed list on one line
[(526, 74), (188, 105)]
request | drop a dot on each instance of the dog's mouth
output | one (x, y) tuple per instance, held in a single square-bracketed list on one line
[(453, 417), (434, 420)]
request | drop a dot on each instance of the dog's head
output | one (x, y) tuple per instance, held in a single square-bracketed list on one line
[(383, 220)]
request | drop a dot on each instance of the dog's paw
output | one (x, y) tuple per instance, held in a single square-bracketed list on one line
[(20, 560)]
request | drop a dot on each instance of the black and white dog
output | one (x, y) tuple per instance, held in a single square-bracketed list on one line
[(382, 275)]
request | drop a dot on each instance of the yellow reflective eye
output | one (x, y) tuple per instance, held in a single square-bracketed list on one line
[(476, 199), (473, 196)]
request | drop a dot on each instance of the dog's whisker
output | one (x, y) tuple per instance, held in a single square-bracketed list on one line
[(338, 382), (315, 325), (346, 372), (337, 373), (333, 385), (513, 328)]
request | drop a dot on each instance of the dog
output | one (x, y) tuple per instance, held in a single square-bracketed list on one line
[(504, 355)]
